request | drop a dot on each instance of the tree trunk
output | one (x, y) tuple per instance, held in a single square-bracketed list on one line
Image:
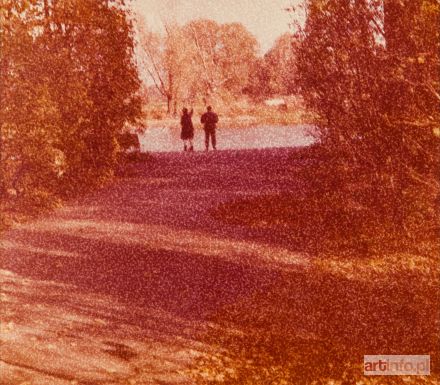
[(175, 107), (169, 100)]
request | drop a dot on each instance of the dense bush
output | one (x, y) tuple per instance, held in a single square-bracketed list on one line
[(370, 70), (69, 85)]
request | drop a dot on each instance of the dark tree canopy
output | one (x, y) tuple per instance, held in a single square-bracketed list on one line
[(69, 85), (370, 70)]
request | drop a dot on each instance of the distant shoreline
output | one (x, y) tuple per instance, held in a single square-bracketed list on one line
[(290, 118), (263, 136)]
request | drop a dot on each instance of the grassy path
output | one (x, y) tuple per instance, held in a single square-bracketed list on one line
[(140, 284)]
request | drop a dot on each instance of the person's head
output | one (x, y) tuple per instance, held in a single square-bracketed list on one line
[(185, 111), (209, 108)]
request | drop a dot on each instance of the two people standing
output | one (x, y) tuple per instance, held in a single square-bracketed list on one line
[(209, 121)]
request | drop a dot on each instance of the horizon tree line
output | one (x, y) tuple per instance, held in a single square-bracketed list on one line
[(204, 60)]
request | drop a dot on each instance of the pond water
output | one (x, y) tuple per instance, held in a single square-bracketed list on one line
[(160, 139)]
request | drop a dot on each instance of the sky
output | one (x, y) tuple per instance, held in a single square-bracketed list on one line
[(265, 19)]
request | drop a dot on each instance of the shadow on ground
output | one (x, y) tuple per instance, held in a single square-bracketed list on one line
[(139, 284), (314, 327)]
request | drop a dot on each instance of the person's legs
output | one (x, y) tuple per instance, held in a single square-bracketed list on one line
[(187, 144), (206, 140), (213, 140), (191, 146)]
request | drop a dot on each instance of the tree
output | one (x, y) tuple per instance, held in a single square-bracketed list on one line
[(280, 62), (29, 120), (157, 60), (204, 39), (237, 56), (200, 60), (373, 80), (99, 40), (69, 85), (223, 55), (259, 85)]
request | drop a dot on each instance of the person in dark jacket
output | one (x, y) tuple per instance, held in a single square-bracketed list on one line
[(187, 133), (209, 120)]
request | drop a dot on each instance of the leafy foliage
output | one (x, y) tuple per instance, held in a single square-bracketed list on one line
[(281, 61), (201, 60), (373, 79), (68, 87)]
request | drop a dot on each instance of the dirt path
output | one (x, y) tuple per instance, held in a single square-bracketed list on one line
[(118, 288)]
